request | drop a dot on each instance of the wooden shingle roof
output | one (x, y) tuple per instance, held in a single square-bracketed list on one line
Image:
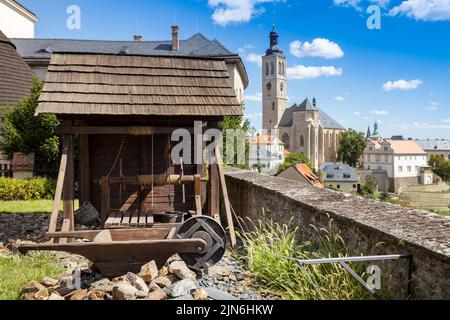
[(15, 75), (106, 84)]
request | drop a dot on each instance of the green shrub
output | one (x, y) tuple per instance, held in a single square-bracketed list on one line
[(27, 189)]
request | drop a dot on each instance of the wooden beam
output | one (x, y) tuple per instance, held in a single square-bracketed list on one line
[(214, 192), (134, 180), (226, 200), (105, 202), (120, 130), (198, 194), (58, 191), (85, 192), (68, 188)]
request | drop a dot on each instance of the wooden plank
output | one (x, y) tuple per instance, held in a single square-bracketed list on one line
[(84, 169), (126, 219), (88, 130), (110, 221), (134, 219), (198, 194), (58, 191), (68, 187), (150, 220), (226, 200), (105, 202), (66, 228), (158, 231), (214, 192), (142, 223)]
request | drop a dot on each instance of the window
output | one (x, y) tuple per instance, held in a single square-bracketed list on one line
[(354, 186), (386, 148), (302, 142), (273, 106), (272, 68), (409, 169), (285, 140), (279, 68), (269, 87), (330, 176), (400, 169), (338, 186), (370, 148), (282, 87), (267, 69), (379, 168), (347, 175)]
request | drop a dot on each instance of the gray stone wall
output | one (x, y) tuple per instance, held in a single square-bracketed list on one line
[(368, 227)]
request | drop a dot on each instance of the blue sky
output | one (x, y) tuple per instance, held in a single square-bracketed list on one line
[(398, 75)]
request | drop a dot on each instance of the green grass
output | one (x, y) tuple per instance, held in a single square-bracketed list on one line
[(29, 206), (16, 271), (269, 244)]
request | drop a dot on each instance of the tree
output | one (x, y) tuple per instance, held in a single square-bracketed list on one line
[(440, 166), (351, 147), (369, 188), (24, 132), (235, 123), (294, 158)]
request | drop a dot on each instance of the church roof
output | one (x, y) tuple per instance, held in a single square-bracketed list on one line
[(436, 145), (16, 76), (197, 45), (326, 121)]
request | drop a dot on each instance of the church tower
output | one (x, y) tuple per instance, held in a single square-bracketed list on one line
[(273, 84)]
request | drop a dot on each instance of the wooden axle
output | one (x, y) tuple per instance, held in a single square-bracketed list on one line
[(156, 180)]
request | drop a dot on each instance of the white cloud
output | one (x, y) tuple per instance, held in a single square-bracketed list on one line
[(255, 58), (257, 96), (379, 112), (425, 10), (356, 113), (339, 98), (402, 85), (381, 3), (426, 125), (432, 106), (319, 47), (348, 3), (379, 122), (301, 72), (236, 11), (447, 121)]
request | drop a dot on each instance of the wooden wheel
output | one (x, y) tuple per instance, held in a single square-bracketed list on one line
[(210, 231)]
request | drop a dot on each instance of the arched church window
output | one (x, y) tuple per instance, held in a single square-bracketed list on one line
[(267, 69), (302, 141), (285, 140), (269, 88), (280, 68), (282, 87), (272, 68), (273, 106), (283, 70)]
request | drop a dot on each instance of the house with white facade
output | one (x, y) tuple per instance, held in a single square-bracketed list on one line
[(403, 161), (266, 153), (16, 21)]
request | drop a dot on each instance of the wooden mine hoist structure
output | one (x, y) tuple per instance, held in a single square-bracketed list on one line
[(122, 111)]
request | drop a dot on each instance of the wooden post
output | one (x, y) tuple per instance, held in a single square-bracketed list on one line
[(226, 200), (84, 169), (58, 191), (106, 201), (68, 188), (143, 171), (214, 192), (198, 194)]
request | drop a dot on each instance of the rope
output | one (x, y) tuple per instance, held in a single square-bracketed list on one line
[(115, 161), (146, 181)]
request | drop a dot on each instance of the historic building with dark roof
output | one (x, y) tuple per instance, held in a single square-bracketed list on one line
[(38, 52), (303, 128), (15, 82)]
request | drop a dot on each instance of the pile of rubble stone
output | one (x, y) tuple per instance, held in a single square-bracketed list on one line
[(172, 281)]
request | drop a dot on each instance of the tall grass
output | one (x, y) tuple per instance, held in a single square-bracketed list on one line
[(272, 248)]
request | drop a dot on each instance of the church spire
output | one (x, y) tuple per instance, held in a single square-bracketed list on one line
[(369, 134), (274, 48)]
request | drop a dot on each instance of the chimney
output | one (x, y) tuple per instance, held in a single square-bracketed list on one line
[(138, 37), (175, 38)]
